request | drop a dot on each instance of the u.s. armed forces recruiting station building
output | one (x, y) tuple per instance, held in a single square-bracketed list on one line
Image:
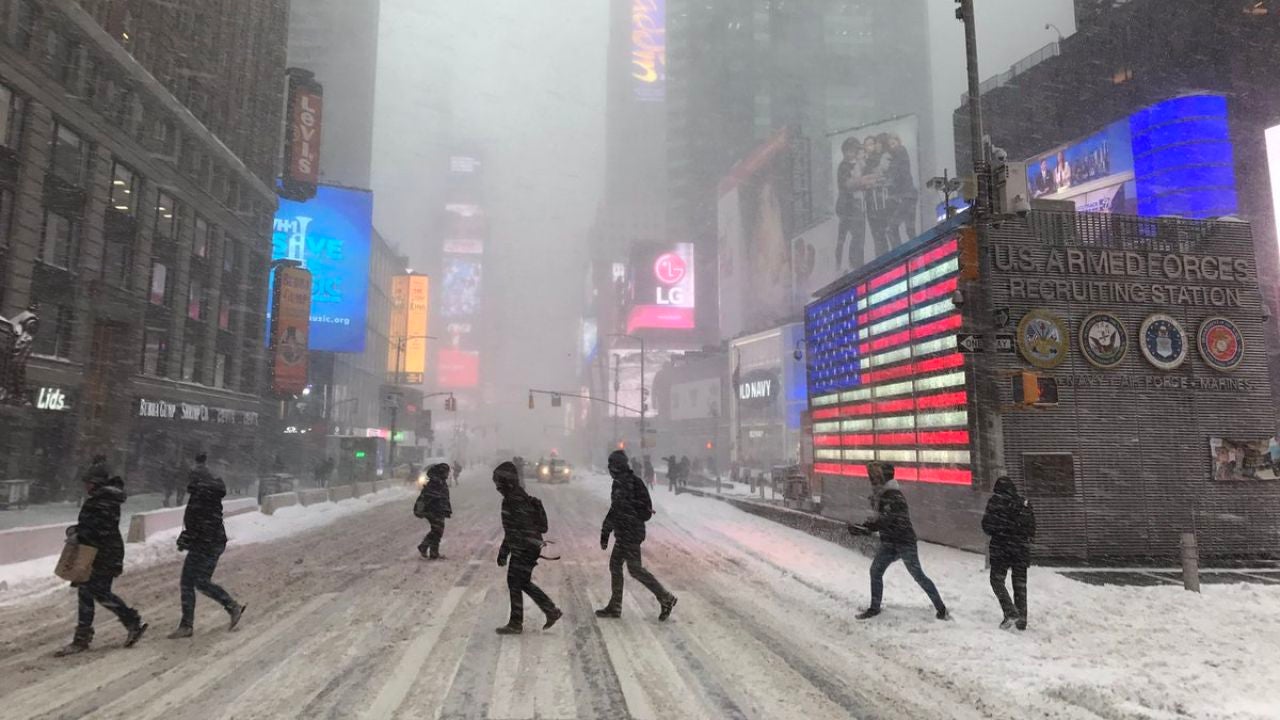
[(1114, 367)]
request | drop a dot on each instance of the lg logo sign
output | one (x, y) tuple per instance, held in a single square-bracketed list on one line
[(669, 269)]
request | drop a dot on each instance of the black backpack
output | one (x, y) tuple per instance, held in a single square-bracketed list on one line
[(539, 515)]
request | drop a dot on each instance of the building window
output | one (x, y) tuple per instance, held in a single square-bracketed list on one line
[(190, 352), (155, 352), (10, 117), (159, 283), (220, 370), (124, 188), (54, 337), (166, 217), (1049, 474), (229, 255), (23, 26), (117, 256), (224, 313), (196, 299), (200, 244), (6, 217), (59, 239), (68, 155)]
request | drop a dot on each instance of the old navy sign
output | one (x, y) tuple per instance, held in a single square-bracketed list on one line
[(194, 412), (757, 388)]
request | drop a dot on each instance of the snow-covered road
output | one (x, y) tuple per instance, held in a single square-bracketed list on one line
[(345, 621)]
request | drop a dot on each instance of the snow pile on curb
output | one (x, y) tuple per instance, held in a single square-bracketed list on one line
[(20, 582), (1142, 652)]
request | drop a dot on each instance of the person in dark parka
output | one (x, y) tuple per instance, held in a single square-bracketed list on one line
[(629, 509), (523, 522), (897, 540), (204, 539), (433, 505), (1010, 522), (98, 526)]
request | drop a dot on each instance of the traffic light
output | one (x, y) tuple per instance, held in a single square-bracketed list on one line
[(451, 404), (555, 401), (1032, 389), (530, 399)]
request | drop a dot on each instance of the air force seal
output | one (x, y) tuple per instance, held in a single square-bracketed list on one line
[(1163, 342), (1103, 340), (1221, 345), (1042, 339)]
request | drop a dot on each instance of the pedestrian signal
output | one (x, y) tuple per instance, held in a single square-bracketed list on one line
[(530, 401), (1032, 389), (555, 401)]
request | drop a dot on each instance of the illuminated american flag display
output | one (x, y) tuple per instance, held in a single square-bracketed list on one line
[(886, 380)]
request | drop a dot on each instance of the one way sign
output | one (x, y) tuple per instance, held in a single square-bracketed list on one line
[(969, 343)]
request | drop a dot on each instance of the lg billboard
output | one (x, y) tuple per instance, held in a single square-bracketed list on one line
[(329, 235), (663, 291)]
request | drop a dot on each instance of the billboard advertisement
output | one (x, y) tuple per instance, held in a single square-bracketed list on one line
[(457, 368), (465, 228), (461, 288), (662, 287), (329, 235), (753, 222), (649, 49), (291, 303), (303, 124), (1237, 460), (1171, 158), (407, 354)]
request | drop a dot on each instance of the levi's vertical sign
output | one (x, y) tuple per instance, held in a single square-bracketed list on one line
[(304, 122)]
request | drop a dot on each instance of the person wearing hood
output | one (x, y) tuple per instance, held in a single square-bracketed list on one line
[(433, 505), (1011, 523), (629, 509), (897, 540), (98, 526), (524, 520), (204, 539)]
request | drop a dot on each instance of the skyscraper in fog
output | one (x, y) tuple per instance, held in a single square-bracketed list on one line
[(338, 41)]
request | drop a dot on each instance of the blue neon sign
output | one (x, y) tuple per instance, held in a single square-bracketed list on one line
[(330, 235)]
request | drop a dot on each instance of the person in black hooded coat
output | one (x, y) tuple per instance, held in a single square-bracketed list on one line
[(1011, 523), (433, 505), (522, 544), (629, 509), (204, 538), (98, 526)]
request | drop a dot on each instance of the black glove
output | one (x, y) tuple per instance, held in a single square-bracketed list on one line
[(183, 541), (502, 561), (604, 542)]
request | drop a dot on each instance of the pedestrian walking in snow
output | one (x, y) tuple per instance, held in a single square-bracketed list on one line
[(683, 473), (524, 521), (204, 539), (673, 472), (897, 540), (1011, 523), (457, 472), (629, 509), (98, 526), (650, 476), (433, 506)]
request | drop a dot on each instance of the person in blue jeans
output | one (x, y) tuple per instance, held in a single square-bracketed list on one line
[(204, 539), (897, 540)]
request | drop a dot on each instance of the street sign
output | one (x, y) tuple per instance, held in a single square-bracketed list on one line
[(969, 343), (1004, 344)]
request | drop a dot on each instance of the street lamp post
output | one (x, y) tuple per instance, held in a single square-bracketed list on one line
[(644, 396), (401, 342)]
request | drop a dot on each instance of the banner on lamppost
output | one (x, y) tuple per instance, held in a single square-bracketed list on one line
[(290, 322)]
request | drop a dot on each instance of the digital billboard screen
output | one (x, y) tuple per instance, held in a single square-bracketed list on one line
[(887, 380), (649, 49), (663, 291), (329, 234), (461, 288), (457, 369)]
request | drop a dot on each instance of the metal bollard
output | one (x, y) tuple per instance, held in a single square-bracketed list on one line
[(1190, 562)]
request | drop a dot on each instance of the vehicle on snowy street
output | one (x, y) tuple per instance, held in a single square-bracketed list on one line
[(555, 470)]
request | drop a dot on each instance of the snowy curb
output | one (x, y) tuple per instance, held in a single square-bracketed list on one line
[(23, 581), (820, 527)]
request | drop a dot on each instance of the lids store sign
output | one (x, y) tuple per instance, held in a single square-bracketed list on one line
[(194, 412), (52, 398)]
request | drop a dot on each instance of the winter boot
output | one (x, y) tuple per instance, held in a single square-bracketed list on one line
[(80, 643), (609, 611), (1021, 623), (235, 614), (667, 606), (135, 634), (943, 614), (553, 617), (510, 629), (1007, 623), (868, 613), (183, 631)]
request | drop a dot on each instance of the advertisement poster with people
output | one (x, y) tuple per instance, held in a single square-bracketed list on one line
[(1095, 173), (754, 222), (1244, 460), (876, 170)]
